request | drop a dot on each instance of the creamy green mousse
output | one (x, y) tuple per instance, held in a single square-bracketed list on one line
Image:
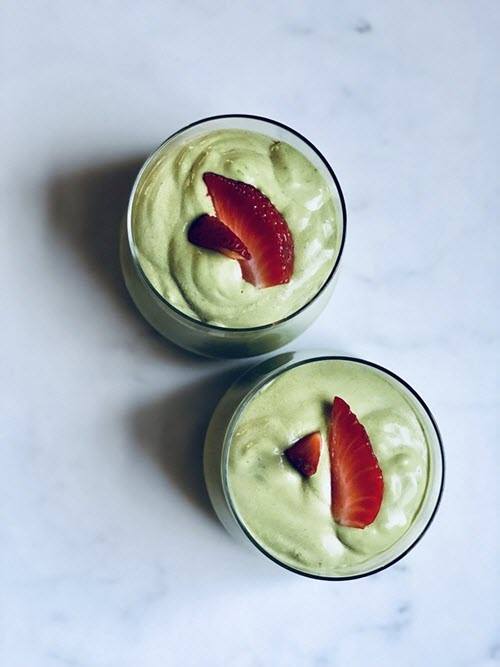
[(207, 285), (289, 515)]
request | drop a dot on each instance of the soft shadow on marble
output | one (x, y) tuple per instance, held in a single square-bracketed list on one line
[(85, 209), (171, 430)]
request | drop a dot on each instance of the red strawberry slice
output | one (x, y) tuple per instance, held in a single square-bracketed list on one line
[(260, 226), (356, 478), (304, 454), (209, 232)]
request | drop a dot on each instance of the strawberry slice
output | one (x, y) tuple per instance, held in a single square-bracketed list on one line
[(209, 232), (304, 454), (356, 478), (263, 230)]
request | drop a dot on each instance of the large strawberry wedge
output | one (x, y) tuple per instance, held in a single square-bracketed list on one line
[(209, 232), (356, 478), (263, 230)]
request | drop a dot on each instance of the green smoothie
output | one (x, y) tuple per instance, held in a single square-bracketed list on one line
[(289, 515), (204, 284)]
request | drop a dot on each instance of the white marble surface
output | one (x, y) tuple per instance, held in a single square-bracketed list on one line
[(110, 556)]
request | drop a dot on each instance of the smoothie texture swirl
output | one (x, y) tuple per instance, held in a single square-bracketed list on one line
[(290, 516), (204, 284)]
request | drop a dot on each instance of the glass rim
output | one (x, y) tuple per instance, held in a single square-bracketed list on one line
[(273, 375), (164, 301)]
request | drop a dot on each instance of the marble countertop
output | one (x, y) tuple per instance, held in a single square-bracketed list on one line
[(110, 555)]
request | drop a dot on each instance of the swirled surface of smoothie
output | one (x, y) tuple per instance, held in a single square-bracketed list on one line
[(290, 515), (205, 284)]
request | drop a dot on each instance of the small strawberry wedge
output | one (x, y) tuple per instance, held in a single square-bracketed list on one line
[(209, 232), (304, 454), (262, 229), (356, 478)]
